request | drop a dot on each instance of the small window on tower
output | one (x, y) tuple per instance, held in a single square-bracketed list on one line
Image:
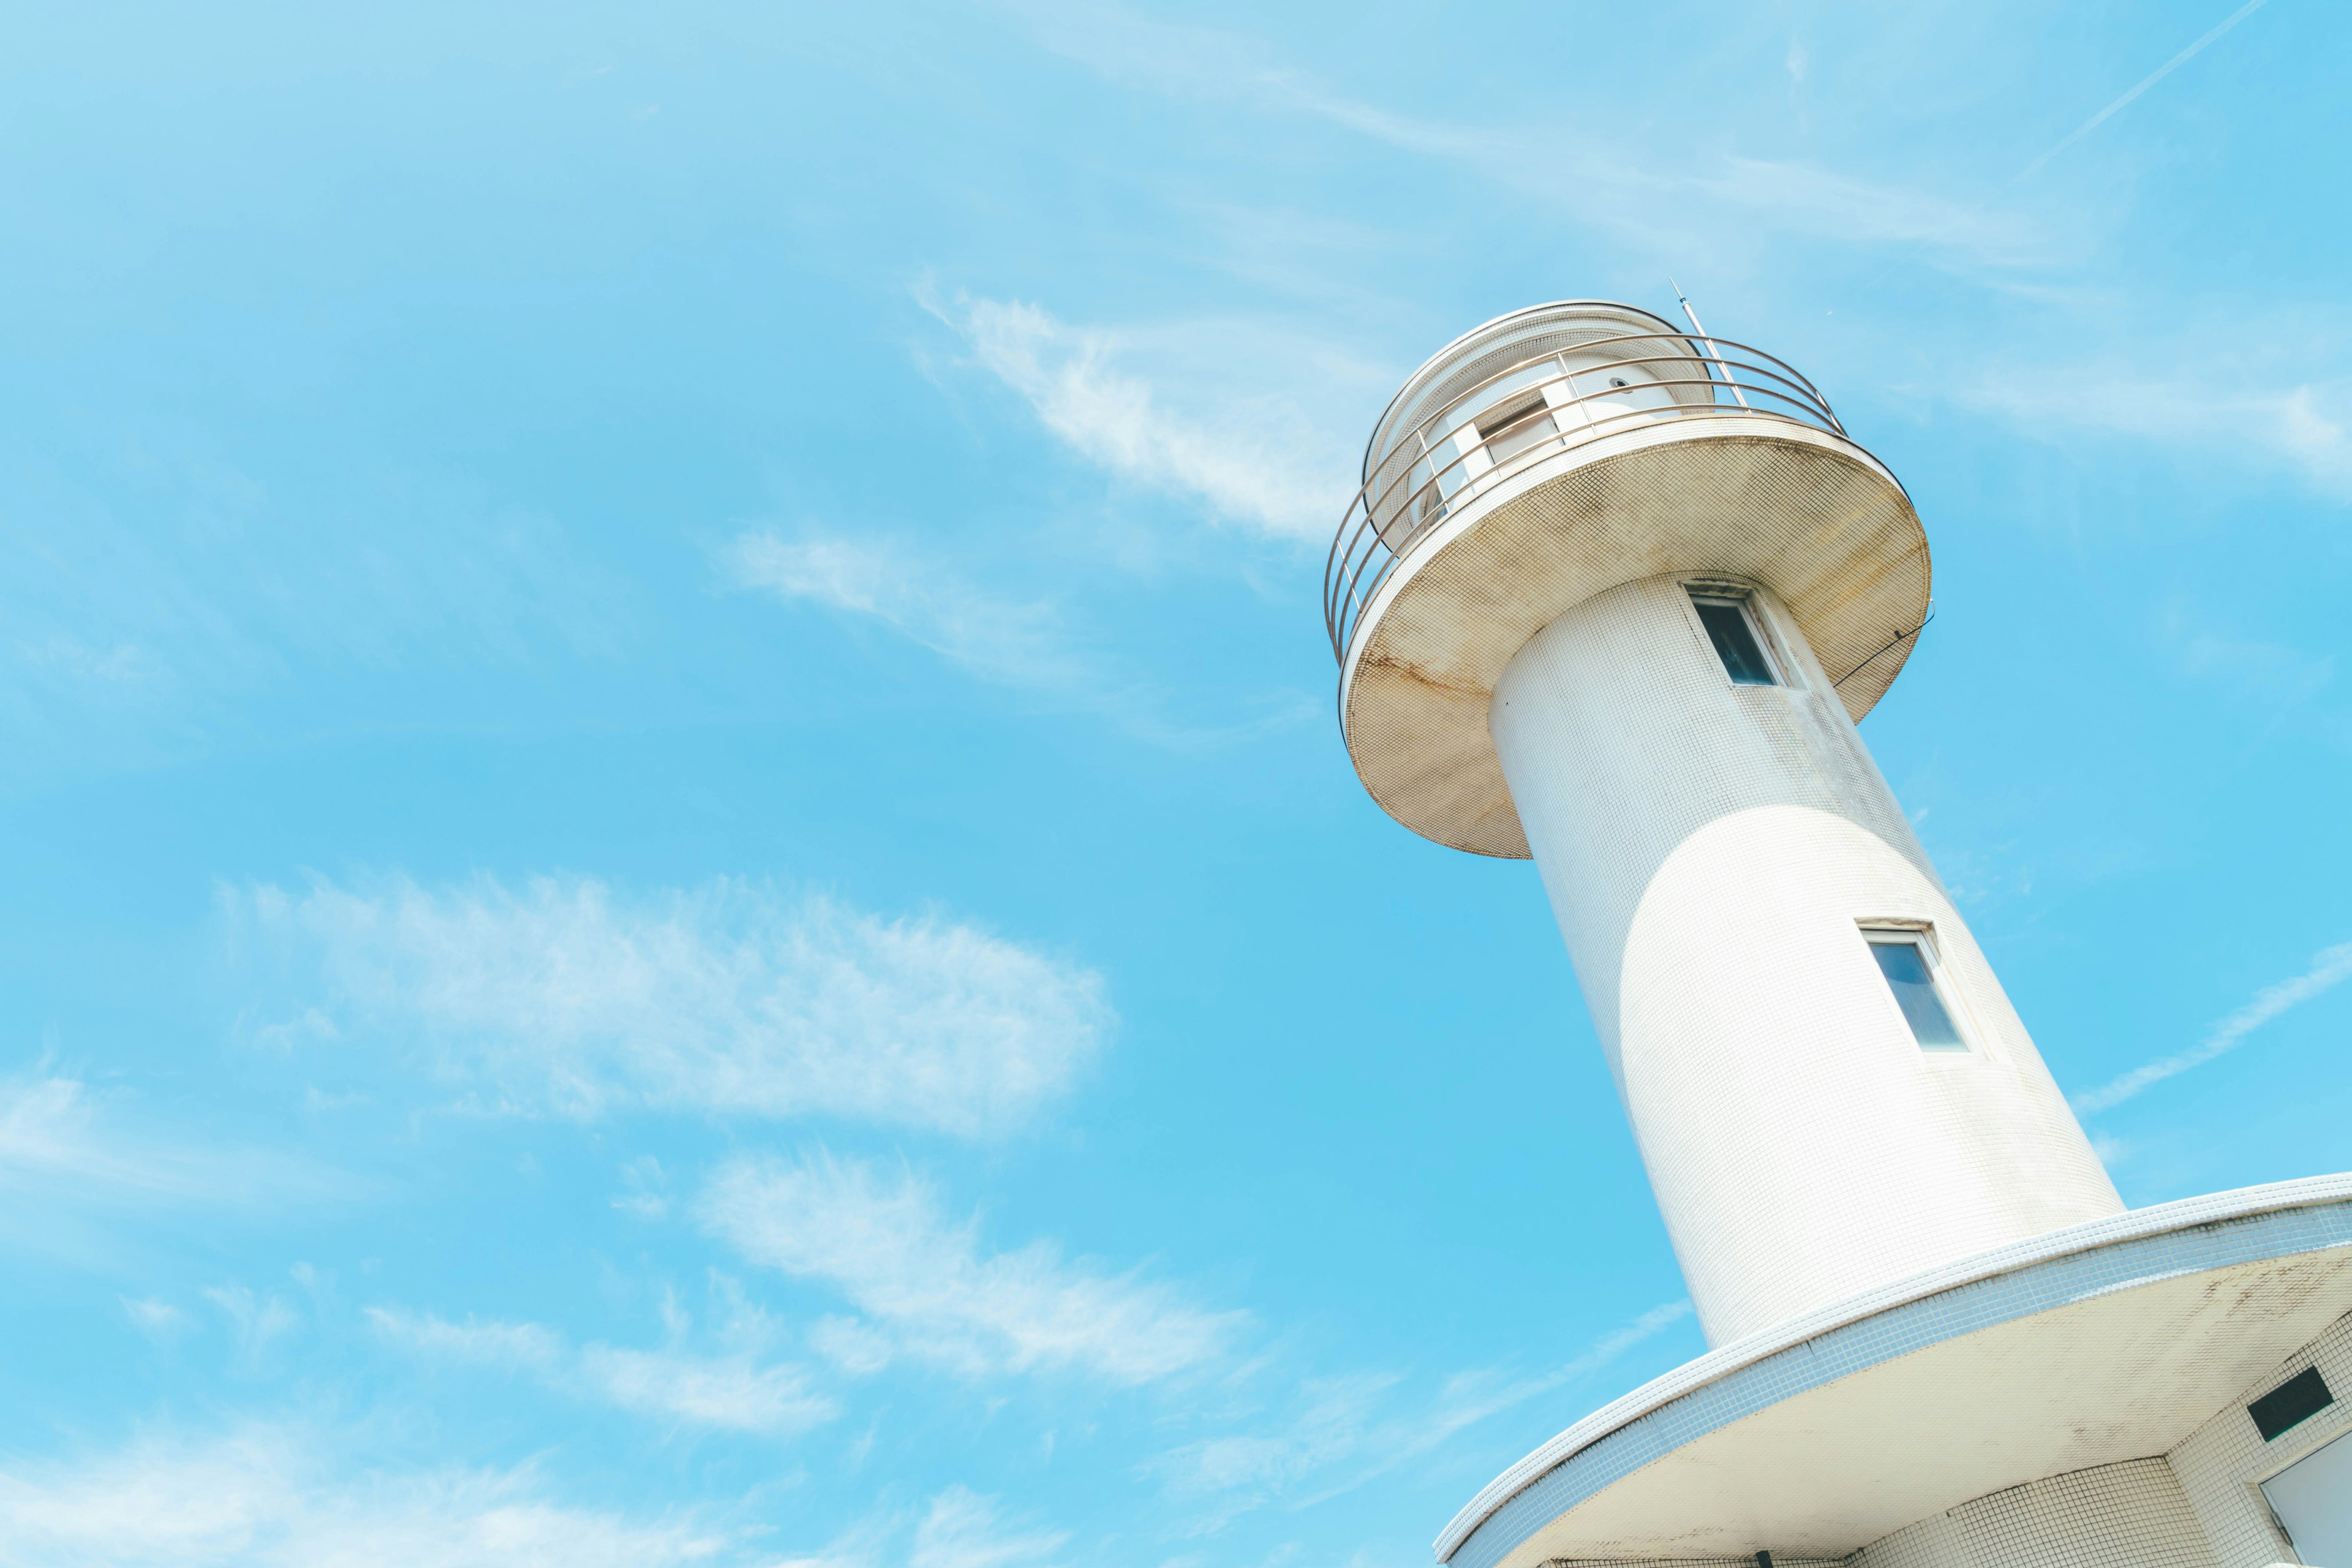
[(1909, 967), (1511, 427), (1731, 625)]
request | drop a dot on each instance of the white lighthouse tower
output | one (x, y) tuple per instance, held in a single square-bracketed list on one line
[(1612, 597)]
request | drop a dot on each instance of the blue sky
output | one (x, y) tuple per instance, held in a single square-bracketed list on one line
[(683, 886)]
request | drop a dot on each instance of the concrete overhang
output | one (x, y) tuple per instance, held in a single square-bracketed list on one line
[(2098, 1343), (1749, 497)]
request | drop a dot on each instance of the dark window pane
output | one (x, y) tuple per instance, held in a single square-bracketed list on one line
[(1735, 640), (1511, 430), (1905, 968), (2296, 1400)]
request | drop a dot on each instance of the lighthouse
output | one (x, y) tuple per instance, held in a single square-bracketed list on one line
[(1612, 597)]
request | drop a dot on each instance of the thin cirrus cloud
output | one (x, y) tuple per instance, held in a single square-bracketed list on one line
[(2329, 967), (930, 1290), (58, 1138), (1237, 418), (736, 1393), (2118, 105), (1628, 187), (1261, 425), (1011, 643), (1343, 1433), (2274, 408), (565, 997), (283, 1494), (962, 1529), (922, 599), (78, 1170)]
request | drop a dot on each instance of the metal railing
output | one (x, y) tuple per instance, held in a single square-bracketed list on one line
[(1432, 470)]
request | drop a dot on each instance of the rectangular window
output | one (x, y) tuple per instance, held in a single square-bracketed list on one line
[(1903, 957), (1512, 428), (1731, 626), (2289, 1405)]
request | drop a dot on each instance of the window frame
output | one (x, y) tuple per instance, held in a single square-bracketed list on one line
[(1920, 935), (1742, 598)]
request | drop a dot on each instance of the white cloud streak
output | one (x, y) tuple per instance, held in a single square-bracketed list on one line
[(2157, 75), (564, 997), (158, 1320), (56, 1137), (83, 1174), (1350, 1431), (919, 597), (961, 1528), (1610, 182), (2267, 671), (735, 1393), (258, 1321), (1244, 439), (930, 1290), (2329, 968), (263, 1496), (1022, 644), (2224, 404), (2228, 409)]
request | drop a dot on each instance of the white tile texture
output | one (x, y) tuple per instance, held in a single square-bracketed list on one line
[(1778, 1561), (2222, 1463), (1709, 850), (2131, 1515)]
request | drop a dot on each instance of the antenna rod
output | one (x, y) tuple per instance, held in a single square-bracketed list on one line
[(1709, 343)]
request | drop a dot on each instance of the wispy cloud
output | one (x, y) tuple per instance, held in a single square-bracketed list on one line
[(76, 1166), (644, 1189), (1017, 644), (564, 997), (2198, 394), (2149, 80), (961, 1528), (1802, 198), (1616, 181), (921, 598), (1236, 432), (158, 1320), (2268, 671), (124, 664), (141, 627), (2329, 968), (737, 1391), (277, 1496), (1349, 1431), (57, 1136), (256, 1320), (930, 1290)]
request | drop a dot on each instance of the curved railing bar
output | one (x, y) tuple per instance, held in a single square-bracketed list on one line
[(1384, 509), (1354, 568), (1346, 602), (1383, 515), (1696, 357), (1809, 402), (1805, 393)]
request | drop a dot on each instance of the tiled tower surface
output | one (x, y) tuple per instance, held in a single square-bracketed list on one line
[(1713, 852), (1532, 677)]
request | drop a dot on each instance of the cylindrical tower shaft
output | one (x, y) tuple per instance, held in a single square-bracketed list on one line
[(1829, 1087)]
